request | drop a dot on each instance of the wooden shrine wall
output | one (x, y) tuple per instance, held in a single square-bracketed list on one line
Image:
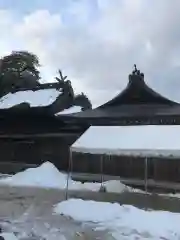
[(34, 151)]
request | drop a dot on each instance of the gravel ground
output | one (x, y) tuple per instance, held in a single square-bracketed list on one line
[(28, 213)]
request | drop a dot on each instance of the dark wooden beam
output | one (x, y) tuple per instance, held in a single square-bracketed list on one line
[(43, 86), (40, 135)]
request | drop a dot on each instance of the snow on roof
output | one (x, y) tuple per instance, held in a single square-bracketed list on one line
[(43, 97), (131, 140), (73, 109), (130, 152)]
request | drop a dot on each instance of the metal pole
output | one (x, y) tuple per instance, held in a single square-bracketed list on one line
[(102, 188), (101, 163), (69, 172), (146, 175)]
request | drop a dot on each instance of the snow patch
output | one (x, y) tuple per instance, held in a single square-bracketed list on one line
[(123, 220), (70, 110), (88, 210)]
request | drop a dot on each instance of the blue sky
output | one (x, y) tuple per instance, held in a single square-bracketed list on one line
[(25, 7), (96, 43), (53, 6)]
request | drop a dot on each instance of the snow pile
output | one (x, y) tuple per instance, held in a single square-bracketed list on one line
[(175, 195), (124, 220), (8, 236), (91, 211), (48, 176)]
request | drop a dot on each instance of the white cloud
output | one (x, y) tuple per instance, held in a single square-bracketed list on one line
[(97, 45)]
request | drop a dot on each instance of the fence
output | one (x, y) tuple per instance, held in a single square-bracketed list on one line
[(134, 167)]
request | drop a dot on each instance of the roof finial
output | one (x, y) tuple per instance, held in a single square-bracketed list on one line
[(136, 74), (135, 68), (136, 71)]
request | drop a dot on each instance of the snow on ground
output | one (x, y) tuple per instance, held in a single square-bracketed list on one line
[(176, 195), (8, 236), (48, 176), (125, 222)]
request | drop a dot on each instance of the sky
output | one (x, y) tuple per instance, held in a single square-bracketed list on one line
[(96, 42)]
